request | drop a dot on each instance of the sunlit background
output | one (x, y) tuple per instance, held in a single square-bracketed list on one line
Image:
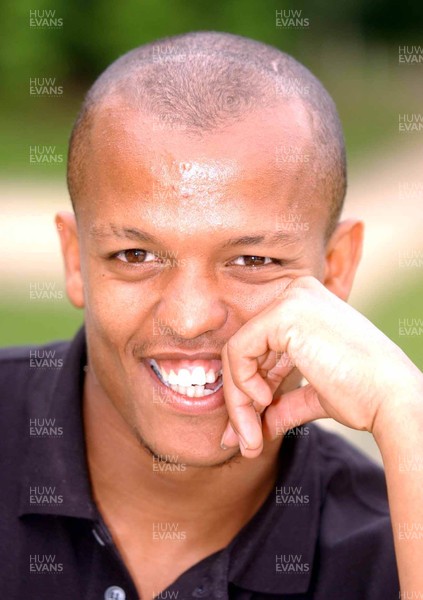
[(368, 54)]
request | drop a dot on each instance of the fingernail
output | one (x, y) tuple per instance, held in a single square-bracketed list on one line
[(229, 438), (227, 441)]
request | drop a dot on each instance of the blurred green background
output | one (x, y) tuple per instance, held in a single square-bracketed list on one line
[(353, 47)]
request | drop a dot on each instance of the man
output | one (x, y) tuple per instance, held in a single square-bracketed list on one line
[(204, 309)]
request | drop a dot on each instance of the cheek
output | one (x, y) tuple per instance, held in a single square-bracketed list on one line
[(114, 308), (247, 301)]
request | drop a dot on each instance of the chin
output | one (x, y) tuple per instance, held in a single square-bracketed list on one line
[(192, 445)]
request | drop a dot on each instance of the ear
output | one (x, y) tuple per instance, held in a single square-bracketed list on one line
[(343, 253), (69, 241)]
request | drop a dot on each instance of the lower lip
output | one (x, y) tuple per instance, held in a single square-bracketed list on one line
[(183, 404)]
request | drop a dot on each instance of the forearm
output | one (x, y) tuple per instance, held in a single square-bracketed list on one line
[(399, 436)]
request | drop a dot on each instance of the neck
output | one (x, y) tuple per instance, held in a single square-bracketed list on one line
[(129, 483)]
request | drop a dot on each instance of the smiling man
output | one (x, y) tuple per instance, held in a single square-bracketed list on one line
[(207, 174)]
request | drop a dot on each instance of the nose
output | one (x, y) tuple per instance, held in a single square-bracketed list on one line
[(192, 302)]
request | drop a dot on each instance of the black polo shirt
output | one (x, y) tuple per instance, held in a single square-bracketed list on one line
[(324, 532)]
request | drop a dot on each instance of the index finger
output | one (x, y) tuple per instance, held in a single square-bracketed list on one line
[(242, 415)]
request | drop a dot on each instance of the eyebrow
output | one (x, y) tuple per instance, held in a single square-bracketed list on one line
[(261, 237), (138, 235), (132, 233)]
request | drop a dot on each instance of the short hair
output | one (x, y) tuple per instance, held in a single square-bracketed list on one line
[(203, 81)]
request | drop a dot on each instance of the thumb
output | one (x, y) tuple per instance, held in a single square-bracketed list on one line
[(292, 410)]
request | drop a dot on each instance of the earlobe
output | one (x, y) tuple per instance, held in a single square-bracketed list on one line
[(343, 255), (69, 241)]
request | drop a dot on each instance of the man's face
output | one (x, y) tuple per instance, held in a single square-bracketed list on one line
[(182, 241)]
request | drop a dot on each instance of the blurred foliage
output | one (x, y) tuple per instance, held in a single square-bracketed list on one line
[(389, 310), (95, 32), (37, 323), (351, 46)]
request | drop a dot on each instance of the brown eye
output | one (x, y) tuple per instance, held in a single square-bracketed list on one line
[(135, 256), (253, 261)]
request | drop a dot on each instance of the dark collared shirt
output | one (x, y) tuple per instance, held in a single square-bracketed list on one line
[(324, 532)]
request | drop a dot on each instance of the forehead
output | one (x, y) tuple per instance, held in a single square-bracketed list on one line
[(133, 157)]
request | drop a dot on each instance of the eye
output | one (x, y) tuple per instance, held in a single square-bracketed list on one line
[(254, 261), (135, 256)]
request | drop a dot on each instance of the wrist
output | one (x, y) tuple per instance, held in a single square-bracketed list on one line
[(399, 418)]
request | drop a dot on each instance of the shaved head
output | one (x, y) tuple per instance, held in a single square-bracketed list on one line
[(202, 82)]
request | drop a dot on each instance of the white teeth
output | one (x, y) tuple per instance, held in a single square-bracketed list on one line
[(184, 377), (198, 376), (198, 391), (210, 377), (188, 383), (173, 378)]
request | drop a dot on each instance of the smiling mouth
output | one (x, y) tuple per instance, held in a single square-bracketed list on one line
[(193, 382)]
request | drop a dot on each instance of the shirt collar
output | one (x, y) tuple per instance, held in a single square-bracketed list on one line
[(55, 476)]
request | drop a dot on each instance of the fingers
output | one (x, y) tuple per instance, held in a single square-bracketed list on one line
[(292, 410), (242, 413), (281, 368), (289, 410), (250, 377)]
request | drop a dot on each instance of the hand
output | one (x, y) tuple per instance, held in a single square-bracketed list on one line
[(354, 371)]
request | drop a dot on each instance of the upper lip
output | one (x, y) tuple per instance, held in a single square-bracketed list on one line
[(184, 356)]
